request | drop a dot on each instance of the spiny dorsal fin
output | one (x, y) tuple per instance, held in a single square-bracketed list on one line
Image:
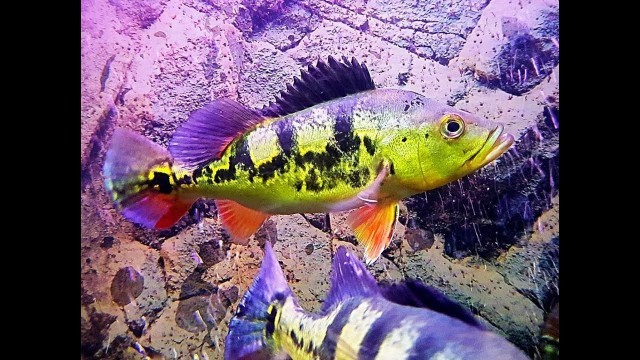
[(323, 82), (208, 131), (349, 278), (415, 293)]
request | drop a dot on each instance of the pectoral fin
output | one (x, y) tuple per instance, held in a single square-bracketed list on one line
[(368, 195), (241, 222), (373, 226)]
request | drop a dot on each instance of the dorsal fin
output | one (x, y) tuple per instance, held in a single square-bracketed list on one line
[(254, 318), (323, 82), (415, 293), (349, 278), (208, 131)]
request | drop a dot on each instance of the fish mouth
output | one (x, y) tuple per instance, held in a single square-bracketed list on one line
[(496, 144)]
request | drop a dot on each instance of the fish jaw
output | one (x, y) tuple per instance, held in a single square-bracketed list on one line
[(497, 143)]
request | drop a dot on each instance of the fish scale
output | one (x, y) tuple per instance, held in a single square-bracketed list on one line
[(359, 320), (319, 167), (331, 142)]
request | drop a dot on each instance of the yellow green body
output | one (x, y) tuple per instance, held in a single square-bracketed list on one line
[(332, 142), (319, 159)]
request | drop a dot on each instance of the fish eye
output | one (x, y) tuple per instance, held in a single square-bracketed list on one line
[(452, 126)]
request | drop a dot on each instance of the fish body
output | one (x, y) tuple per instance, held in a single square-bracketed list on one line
[(315, 150), (359, 320), (318, 159)]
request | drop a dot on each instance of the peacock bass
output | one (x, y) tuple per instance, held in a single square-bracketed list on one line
[(331, 142), (359, 319)]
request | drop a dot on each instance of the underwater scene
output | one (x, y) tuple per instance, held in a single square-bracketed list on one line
[(320, 179)]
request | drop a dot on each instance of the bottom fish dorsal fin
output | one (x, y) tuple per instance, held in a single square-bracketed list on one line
[(416, 294), (251, 329), (373, 226), (241, 222), (349, 278)]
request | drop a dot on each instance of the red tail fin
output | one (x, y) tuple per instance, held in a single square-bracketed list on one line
[(138, 174), (156, 210)]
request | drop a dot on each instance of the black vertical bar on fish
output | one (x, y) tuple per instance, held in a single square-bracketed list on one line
[(241, 154), (327, 349), (370, 345), (427, 345), (343, 133), (286, 135)]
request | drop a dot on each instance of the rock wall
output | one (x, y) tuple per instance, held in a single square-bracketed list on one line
[(490, 241)]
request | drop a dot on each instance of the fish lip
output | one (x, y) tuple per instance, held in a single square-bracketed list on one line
[(496, 144)]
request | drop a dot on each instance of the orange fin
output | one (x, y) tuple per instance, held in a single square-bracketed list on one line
[(241, 222), (373, 226)]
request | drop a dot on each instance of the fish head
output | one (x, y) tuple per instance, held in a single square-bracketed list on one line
[(442, 144)]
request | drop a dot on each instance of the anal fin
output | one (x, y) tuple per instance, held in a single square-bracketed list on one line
[(156, 210), (373, 226), (241, 222)]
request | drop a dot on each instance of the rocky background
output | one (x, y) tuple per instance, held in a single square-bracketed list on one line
[(491, 241)]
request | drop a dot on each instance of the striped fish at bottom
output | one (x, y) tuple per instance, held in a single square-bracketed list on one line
[(359, 320)]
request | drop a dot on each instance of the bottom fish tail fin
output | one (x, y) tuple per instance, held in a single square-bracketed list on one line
[(252, 326), (138, 175)]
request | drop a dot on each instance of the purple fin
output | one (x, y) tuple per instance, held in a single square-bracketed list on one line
[(249, 329), (149, 200), (323, 82), (208, 132), (349, 278), (131, 155), (415, 293)]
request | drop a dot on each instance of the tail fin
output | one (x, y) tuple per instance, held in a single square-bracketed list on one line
[(253, 323), (138, 175)]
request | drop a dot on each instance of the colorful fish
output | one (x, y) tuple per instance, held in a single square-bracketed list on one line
[(332, 142), (358, 320)]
